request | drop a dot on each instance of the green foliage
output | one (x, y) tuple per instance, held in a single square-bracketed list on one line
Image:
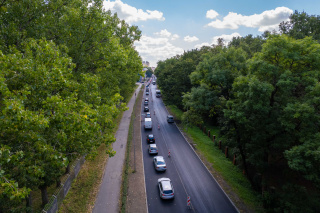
[(149, 72), (173, 75), (264, 94), (301, 25), (65, 68), (213, 81)]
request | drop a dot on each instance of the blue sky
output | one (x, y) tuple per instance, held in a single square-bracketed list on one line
[(170, 27)]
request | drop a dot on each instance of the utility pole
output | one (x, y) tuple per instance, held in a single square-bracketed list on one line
[(134, 144)]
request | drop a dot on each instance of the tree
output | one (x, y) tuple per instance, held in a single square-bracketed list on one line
[(301, 25), (212, 82), (173, 75), (274, 115)]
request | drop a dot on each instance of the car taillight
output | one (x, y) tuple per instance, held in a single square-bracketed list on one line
[(171, 193), (165, 167)]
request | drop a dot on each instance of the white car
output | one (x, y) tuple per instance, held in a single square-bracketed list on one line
[(159, 163), (166, 188)]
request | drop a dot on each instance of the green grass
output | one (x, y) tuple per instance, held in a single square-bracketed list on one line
[(175, 111), (212, 154)]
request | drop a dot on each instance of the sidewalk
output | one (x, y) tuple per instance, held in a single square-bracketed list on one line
[(109, 193)]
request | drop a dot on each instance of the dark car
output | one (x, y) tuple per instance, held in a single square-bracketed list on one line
[(146, 109), (150, 139)]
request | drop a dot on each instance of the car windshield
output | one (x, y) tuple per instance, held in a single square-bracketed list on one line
[(167, 191), (160, 163)]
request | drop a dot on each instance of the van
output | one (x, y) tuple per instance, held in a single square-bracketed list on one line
[(147, 123)]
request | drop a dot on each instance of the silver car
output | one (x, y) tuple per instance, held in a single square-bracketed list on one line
[(165, 188), (159, 163), (153, 149), (148, 115)]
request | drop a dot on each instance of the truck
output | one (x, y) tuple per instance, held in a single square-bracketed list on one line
[(147, 123), (158, 93)]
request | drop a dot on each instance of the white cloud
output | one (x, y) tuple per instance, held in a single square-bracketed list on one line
[(190, 39), (269, 19), (166, 34), (163, 33), (175, 36), (212, 14), (131, 14), (155, 49)]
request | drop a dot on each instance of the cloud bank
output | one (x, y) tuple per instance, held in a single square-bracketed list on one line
[(131, 14), (153, 49), (268, 20)]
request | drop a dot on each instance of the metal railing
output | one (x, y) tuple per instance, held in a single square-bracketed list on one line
[(56, 199)]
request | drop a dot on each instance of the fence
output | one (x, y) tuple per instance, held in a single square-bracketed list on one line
[(56, 199)]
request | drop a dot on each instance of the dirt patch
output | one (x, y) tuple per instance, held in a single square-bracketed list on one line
[(136, 198)]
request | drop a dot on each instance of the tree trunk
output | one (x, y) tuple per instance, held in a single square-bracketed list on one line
[(68, 169), (29, 203), (44, 195), (243, 156), (58, 182)]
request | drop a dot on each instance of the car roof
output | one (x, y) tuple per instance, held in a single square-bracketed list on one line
[(159, 158), (153, 145), (150, 135), (148, 112)]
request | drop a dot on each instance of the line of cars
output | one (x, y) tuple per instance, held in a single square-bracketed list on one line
[(166, 190)]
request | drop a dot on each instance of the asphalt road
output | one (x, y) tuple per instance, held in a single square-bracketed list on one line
[(186, 171)]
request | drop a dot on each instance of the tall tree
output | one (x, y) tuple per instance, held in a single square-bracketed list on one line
[(301, 25), (274, 113)]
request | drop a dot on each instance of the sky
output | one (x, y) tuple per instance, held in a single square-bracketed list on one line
[(170, 27)]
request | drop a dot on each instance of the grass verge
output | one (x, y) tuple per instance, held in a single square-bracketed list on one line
[(221, 167), (126, 168)]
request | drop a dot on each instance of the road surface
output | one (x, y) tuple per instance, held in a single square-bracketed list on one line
[(188, 174)]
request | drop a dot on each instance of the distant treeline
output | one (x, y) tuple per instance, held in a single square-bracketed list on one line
[(264, 95), (65, 67)]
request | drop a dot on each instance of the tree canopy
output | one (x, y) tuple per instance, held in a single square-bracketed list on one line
[(66, 67), (263, 94)]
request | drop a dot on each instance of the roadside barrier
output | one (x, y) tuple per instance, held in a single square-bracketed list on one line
[(188, 202)]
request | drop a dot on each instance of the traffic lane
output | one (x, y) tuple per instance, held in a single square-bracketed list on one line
[(207, 196), (155, 203)]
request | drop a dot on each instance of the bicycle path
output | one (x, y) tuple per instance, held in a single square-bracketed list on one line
[(109, 192)]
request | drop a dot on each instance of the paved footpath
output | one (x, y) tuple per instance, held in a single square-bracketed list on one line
[(109, 192)]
